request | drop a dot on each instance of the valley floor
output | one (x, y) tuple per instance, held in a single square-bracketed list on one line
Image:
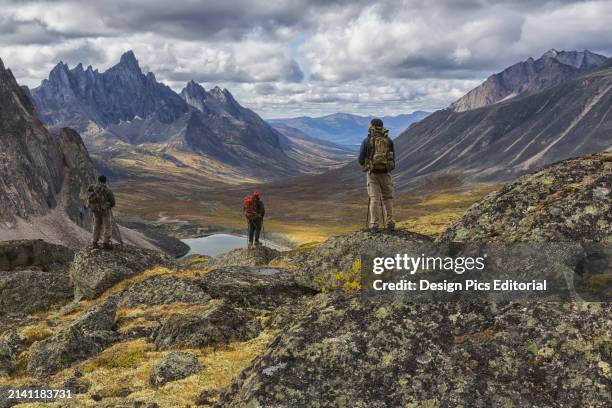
[(294, 213)]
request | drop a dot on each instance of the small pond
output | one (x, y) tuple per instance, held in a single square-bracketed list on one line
[(216, 244)]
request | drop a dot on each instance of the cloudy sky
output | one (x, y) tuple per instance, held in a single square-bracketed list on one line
[(294, 57)]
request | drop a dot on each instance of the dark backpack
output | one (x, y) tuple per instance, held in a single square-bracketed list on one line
[(250, 207), (96, 197), (381, 156)]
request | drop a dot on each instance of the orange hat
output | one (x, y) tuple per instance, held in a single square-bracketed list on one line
[(256, 194)]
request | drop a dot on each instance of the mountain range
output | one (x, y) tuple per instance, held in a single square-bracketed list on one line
[(503, 139), (530, 76), (134, 124), (346, 129)]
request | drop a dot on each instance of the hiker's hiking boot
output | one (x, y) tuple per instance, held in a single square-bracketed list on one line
[(374, 228), (257, 243), (391, 226), (250, 245), (95, 245), (108, 246)]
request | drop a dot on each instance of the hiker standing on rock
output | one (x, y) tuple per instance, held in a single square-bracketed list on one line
[(254, 211), (101, 200), (377, 159)]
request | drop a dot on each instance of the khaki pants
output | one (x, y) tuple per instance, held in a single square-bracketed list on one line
[(380, 190), (102, 221)]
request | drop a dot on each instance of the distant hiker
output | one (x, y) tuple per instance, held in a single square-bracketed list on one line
[(100, 200), (254, 211), (377, 159)]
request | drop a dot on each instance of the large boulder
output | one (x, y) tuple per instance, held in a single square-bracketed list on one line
[(566, 201), (259, 287), (174, 366), (95, 270), (219, 324), (85, 337), (349, 352), (60, 351), (33, 276), (162, 290)]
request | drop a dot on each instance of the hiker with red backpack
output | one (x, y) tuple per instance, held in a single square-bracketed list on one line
[(254, 211)]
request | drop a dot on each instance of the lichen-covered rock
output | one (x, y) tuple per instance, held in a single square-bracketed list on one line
[(11, 344), (219, 324), (82, 339), (340, 253), (162, 290), (174, 366), (260, 287), (256, 256), (24, 292), (95, 270), (33, 276), (347, 352), (33, 254), (60, 351), (567, 201), (99, 318)]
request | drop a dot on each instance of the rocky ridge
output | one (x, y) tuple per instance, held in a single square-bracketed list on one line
[(530, 76)]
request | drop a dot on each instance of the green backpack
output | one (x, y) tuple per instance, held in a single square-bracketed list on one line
[(381, 157), (96, 197)]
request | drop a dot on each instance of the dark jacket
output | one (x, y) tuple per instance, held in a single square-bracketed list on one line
[(366, 150), (261, 209)]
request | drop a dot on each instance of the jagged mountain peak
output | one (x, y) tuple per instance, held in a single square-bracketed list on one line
[(129, 59)]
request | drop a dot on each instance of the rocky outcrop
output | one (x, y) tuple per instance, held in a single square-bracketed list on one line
[(33, 276), (567, 201), (174, 366), (33, 254), (164, 290), (530, 76), (402, 354), (82, 339), (262, 287), (94, 270), (256, 256), (31, 168), (340, 254), (220, 324)]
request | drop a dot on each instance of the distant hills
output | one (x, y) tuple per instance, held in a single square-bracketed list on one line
[(552, 68), (344, 128), (134, 124)]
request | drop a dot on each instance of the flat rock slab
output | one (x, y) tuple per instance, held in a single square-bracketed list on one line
[(260, 287), (163, 290), (95, 270), (256, 256)]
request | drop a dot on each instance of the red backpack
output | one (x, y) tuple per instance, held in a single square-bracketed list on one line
[(250, 207)]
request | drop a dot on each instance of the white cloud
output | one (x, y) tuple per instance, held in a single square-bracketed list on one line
[(362, 56)]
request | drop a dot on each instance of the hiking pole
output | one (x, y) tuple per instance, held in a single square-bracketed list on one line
[(116, 227), (368, 212)]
